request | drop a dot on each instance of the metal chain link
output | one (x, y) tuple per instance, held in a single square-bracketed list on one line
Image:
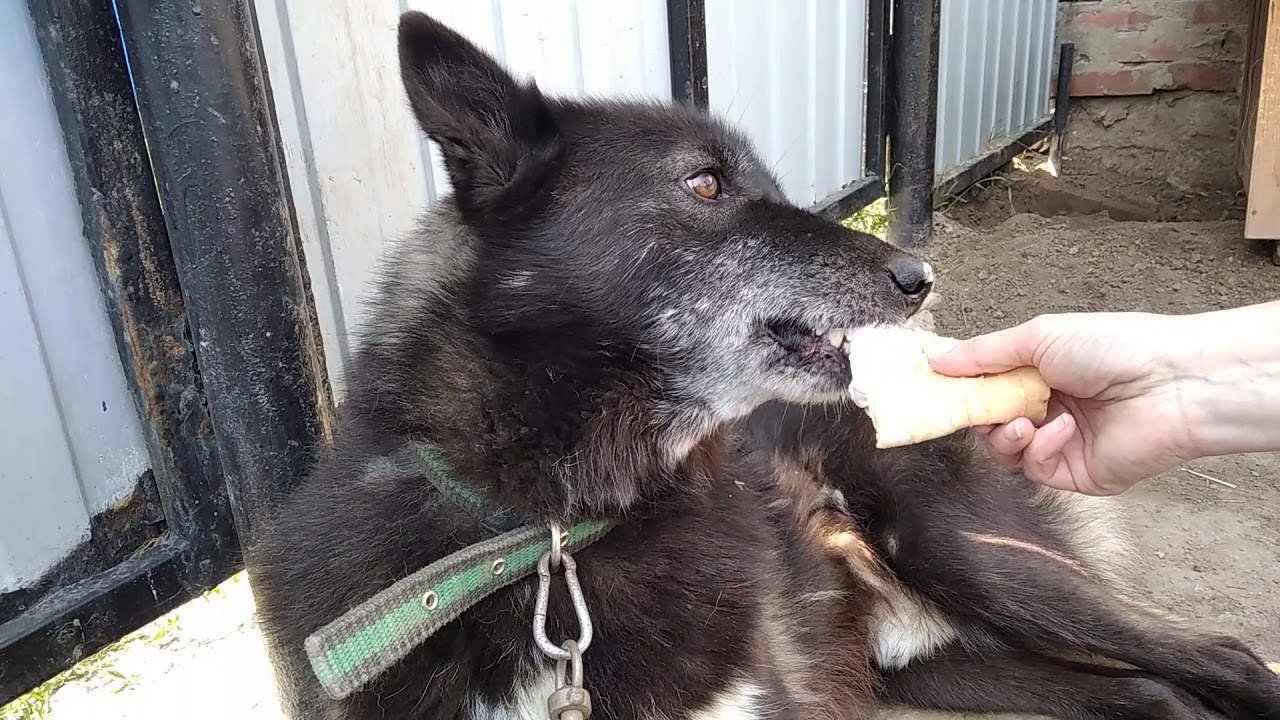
[(569, 672), (556, 556), (570, 701)]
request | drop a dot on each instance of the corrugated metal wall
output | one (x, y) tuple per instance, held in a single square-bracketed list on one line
[(793, 76), (361, 172), (70, 440), (995, 60)]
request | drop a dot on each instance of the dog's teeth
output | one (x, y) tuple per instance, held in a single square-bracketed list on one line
[(835, 337)]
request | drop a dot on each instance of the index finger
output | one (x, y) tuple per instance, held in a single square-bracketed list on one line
[(991, 353)]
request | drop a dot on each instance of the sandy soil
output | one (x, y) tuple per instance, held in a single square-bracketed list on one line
[(203, 661), (1209, 550)]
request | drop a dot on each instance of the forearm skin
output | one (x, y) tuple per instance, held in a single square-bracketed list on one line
[(1231, 382)]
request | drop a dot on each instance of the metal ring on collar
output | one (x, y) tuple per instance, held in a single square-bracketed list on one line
[(558, 539)]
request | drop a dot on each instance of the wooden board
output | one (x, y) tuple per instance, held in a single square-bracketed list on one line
[(1249, 90), (1260, 125)]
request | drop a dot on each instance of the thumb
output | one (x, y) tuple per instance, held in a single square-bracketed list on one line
[(991, 353)]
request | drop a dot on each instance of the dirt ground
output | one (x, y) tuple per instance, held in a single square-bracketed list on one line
[(1210, 549), (1174, 148), (1027, 243)]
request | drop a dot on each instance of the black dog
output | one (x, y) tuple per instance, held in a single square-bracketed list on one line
[(618, 315)]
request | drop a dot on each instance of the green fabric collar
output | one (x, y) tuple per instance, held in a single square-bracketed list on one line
[(379, 632), (474, 501)]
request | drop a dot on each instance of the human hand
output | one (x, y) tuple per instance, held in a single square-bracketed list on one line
[(1117, 413)]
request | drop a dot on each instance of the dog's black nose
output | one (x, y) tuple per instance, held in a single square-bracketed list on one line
[(913, 277)]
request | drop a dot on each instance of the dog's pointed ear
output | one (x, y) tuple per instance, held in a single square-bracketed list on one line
[(495, 132)]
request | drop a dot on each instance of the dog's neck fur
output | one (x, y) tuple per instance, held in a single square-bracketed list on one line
[(625, 446)]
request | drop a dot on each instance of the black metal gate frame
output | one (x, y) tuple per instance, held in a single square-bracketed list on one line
[(185, 206), (177, 163)]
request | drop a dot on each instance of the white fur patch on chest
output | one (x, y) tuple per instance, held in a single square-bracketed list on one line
[(527, 702), (907, 627), (741, 701)]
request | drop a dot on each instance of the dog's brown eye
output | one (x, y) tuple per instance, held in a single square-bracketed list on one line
[(704, 184)]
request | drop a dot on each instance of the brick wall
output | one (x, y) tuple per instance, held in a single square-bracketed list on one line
[(1137, 47)]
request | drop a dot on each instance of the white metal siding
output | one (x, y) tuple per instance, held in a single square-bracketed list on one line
[(994, 66), (792, 76), (70, 440), (360, 169)]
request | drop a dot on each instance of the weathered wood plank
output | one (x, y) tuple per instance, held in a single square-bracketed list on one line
[(1260, 136)]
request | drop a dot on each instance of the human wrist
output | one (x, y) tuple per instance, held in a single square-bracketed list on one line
[(1226, 371)]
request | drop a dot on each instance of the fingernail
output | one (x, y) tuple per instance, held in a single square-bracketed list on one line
[(939, 350), (1063, 421), (1017, 429)]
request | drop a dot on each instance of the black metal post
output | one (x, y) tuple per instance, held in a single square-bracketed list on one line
[(1061, 105), (687, 37), (121, 217), (122, 220), (206, 109), (878, 12), (913, 120)]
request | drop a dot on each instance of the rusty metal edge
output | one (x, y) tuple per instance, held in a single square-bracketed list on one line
[(151, 310), (205, 105)]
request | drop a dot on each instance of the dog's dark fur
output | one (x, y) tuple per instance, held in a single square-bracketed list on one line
[(580, 335)]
